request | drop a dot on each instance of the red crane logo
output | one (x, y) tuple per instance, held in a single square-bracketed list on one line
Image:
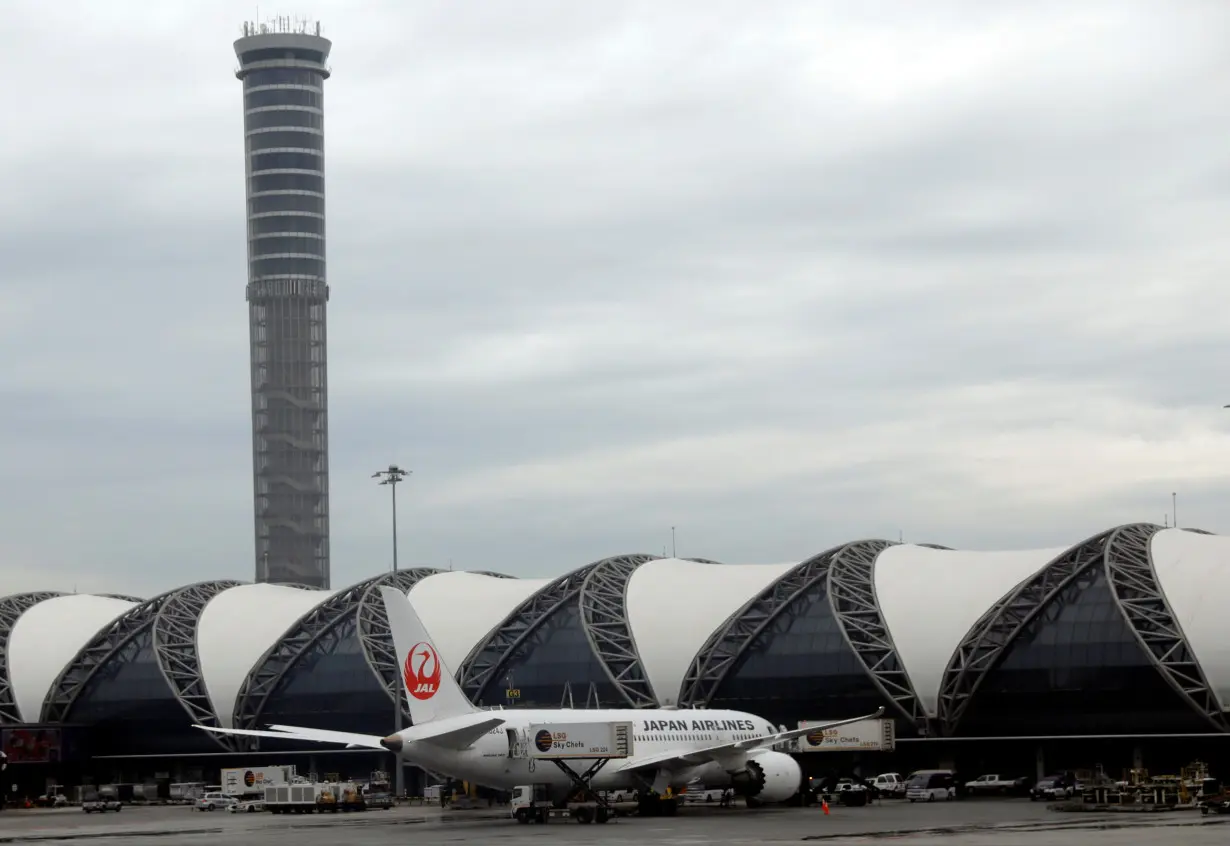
[(422, 671)]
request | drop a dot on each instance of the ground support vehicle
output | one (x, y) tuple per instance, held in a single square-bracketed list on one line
[(246, 806), (594, 743), (314, 797), (250, 782), (379, 801), (532, 802), (379, 792)]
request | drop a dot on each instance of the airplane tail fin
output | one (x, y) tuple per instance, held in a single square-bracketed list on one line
[(430, 689)]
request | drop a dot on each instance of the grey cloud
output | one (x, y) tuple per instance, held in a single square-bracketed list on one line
[(567, 239)]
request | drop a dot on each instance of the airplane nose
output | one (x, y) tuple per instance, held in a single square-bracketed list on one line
[(393, 743)]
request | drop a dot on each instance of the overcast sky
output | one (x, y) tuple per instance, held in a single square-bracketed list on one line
[(782, 274)]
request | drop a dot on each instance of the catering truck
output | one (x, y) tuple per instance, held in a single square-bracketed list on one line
[(864, 735), (252, 781), (559, 744)]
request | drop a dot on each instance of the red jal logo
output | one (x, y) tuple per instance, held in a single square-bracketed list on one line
[(422, 671)]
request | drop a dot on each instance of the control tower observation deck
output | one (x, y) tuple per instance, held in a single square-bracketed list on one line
[(282, 67)]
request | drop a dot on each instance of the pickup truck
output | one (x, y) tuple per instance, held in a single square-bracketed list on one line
[(986, 785)]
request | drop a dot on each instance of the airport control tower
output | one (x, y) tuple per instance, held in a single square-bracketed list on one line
[(282, 67)]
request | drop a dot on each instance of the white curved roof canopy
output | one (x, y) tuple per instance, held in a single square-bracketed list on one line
[(459, 608), (930, 598), (235, 629), (45, 640), (1193, 571), (674, 605)]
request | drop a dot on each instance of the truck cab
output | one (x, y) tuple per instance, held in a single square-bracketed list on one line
[(531, 803)]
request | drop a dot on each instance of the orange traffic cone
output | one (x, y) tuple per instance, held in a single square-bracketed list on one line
[(824, 803)]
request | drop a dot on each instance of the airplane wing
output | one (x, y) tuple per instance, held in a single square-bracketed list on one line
[(365, 741), (453, 733), (695, 757)]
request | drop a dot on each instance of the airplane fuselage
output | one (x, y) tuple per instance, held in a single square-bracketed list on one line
[(500, 758)]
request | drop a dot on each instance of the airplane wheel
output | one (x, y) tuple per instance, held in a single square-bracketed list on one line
[(583, 816)]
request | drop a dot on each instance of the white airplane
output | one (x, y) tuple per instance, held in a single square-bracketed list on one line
[(671, 747)]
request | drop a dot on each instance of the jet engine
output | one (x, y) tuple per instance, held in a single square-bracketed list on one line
[(768, 777)]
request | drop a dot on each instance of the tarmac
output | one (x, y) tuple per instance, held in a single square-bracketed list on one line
[(964, 823)]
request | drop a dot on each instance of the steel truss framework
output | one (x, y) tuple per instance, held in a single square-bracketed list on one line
[(376, 637), (1123, 552), (723, 648), (523, 627), (174, 643), (847, 574), (318, 632), (114, 645), (852, 596), (11, 609), (1133, 581), (604, 616), (988, 640), (122, 596)]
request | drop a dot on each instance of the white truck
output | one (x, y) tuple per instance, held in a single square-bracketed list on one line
[(878, 735), (560, 743), (532, 803), (252, 781)]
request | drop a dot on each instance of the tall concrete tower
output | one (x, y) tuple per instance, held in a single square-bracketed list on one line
[(282, 67)]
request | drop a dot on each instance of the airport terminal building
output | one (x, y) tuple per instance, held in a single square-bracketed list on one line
[(1112, 651)]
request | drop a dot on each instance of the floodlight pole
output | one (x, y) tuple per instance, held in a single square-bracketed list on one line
[(391, 477)]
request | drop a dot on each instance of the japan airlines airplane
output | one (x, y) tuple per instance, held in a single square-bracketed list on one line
[(671, 747)]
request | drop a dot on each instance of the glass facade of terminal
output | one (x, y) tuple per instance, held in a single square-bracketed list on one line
[(801, 668), (1077, 669)]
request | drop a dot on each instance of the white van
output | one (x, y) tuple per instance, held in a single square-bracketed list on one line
[(929, 785)]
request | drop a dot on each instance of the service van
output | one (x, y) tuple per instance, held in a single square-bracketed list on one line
[(929, 785)]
